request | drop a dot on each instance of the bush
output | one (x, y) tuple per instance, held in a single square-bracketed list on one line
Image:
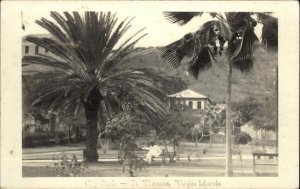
[(216, 130), (65, 167), (61, 138), (242, 138), (127, 156), (27, 140), (38, 139)]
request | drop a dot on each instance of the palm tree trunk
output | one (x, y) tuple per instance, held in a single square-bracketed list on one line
[(91, 111), (229, 171), (276, 123)]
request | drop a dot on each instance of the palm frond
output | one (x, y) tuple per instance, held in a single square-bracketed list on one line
[(224, 29), (242, 52), (176, 51), (118, 56), (237, 19), (200, 62), (81, 53), (150, 96), (47, 61), (243, 40), (83, 40), (269, 34), (60, 53), (181, 18), (195, 45)]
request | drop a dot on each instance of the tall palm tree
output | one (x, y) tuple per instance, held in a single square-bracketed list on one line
[(236, 28), (84, 58)]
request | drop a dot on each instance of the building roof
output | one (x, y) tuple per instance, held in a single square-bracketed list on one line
[(35, 35), (188, 94)]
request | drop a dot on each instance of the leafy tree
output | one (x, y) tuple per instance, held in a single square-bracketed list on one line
[(248, 108), (235, 28), (261, 114), (83, 70), (173, 129), (127, 156), (197, 133), (210, 118), (127, 126)]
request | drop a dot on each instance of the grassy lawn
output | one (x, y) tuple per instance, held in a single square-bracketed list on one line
[(116, 171), (185, 149), (48, 149), (207, 168), (211, 164)]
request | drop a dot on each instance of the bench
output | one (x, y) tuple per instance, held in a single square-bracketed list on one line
[(264, 148), (258, 155), (164, 154)]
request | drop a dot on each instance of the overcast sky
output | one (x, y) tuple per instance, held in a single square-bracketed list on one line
[(160, 31)]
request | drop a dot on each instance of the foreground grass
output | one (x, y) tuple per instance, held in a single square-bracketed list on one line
[(207, 168)]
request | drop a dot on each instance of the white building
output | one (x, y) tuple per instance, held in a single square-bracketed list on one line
[(188, 100), (31, 49)]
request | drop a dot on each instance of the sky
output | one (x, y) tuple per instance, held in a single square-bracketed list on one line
[(160, 31)]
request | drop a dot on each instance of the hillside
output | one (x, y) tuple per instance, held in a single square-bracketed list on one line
[(212, 83)]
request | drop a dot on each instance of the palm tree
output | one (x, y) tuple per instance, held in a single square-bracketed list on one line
[(236, 28), (83, 70)]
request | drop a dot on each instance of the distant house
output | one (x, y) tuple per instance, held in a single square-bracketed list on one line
[(31, 49), (188, 100)]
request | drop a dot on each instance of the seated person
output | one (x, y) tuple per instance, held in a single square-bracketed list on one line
[(154, 151)]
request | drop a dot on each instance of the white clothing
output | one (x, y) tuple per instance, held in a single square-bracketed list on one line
[(154, 151)]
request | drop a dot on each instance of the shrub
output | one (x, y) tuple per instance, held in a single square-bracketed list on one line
[(27, 140), (216, 130), (61, 138), (127, 156), (242, 138), (47, 138), (62, 166), (38, 139)]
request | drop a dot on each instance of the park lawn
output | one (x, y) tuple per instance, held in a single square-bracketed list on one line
[(212, 164), (116, 171), (185, 149), (202, 168), (55, 148)]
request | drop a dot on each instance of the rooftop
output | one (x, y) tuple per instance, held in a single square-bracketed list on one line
[(187, 94)]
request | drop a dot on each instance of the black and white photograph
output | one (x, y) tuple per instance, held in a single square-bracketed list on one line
[(138, 95)]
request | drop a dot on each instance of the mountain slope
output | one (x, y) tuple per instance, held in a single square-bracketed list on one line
[(212, 83)]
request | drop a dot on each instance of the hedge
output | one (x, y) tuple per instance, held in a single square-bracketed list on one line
[(44, 139), (242, 138)]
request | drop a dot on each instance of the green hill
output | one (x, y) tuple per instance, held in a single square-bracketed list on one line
[(212, 83)]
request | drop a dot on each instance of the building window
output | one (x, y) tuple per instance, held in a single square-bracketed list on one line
[(46, 50), (36, 49), (190, 105), (181, 104), (26, 49), (199, 105)]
